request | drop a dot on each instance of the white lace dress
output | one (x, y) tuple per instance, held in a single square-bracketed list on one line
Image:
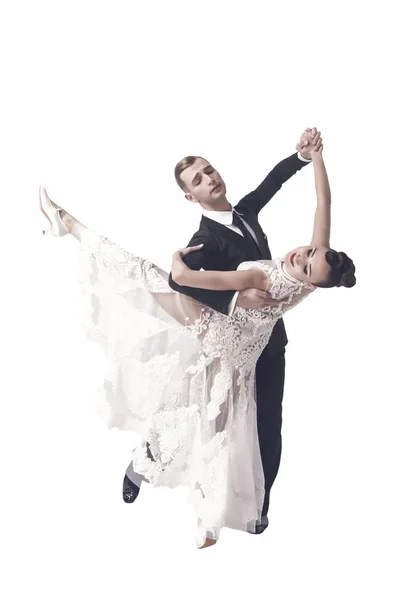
[(182, 376)]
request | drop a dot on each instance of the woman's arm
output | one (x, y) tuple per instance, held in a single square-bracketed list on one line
[(216, 280), (224, 280), (322, 219), (217, 300)]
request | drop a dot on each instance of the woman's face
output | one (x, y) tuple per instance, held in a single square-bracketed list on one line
[(307, 263)]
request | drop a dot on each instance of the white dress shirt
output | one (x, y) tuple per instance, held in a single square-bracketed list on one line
[(225, 217)]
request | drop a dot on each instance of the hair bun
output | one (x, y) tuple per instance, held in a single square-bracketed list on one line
[(347, 280), (341, 271), (345, 261), (333, 258), (348, 269)]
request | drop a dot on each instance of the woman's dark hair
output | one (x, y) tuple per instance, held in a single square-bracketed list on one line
[(341, 272)]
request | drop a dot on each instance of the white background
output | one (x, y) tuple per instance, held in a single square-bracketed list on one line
[(99, 101)]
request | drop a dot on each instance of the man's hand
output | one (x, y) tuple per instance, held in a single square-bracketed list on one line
[(253, 298), (309, 143)]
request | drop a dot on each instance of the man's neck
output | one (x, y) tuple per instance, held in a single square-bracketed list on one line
[(222, 206)]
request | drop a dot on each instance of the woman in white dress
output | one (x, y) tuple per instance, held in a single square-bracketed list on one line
[(181, 375)]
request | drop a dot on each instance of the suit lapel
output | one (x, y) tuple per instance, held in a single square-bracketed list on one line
[(236, 238), (261, 237)]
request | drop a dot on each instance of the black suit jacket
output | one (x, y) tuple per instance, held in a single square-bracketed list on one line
[(224, 249)]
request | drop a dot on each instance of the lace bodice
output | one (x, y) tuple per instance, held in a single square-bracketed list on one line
[(242, 337), (283, 285)]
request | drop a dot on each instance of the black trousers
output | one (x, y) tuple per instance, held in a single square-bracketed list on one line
[(270, 380)]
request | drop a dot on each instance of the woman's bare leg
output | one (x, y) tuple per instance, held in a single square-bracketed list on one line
[(74, 227)]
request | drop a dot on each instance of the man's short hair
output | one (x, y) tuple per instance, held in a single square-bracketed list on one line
[(183, 164)]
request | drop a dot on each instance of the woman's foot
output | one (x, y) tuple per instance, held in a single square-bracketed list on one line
[(52, 213)]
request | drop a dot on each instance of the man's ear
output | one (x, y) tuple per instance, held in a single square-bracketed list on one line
[(190, 198)]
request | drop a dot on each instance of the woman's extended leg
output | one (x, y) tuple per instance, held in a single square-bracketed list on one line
[(74, 227), (53, 212)]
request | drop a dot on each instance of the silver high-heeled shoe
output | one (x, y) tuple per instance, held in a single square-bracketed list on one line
[(52, 214)]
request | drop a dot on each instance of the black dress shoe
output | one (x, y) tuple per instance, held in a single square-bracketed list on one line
[(260, 527), (130, 491)]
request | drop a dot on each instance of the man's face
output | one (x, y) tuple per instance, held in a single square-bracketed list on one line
[(203, 184)]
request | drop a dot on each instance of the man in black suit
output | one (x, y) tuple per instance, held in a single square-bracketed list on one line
[(230, 237)]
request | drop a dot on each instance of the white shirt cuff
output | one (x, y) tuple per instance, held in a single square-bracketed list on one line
[(302, 158), (232, 304)]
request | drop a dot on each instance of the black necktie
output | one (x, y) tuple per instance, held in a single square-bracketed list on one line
[(239, 223)]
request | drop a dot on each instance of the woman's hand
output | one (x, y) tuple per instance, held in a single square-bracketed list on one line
[(310, 143), (178, 267)]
